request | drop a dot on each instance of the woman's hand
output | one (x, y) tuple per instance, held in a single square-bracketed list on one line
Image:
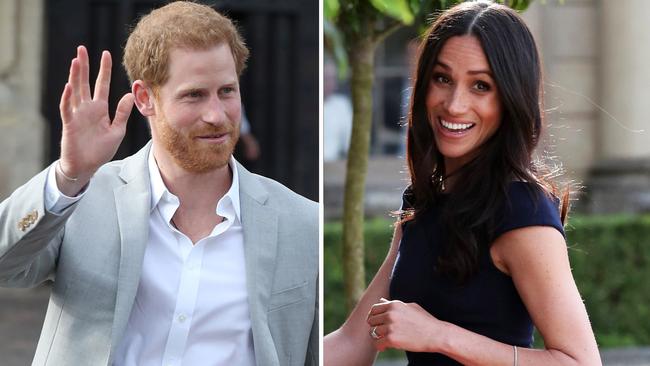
[(404, 326)]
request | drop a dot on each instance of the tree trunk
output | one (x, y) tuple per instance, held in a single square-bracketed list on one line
[(361, 55)]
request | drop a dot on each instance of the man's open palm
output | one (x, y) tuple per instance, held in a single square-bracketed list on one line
[(90, 139)]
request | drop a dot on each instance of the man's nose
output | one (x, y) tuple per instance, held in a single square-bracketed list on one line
[(215, 111)]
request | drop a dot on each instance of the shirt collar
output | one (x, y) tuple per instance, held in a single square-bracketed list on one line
[(158, 188)]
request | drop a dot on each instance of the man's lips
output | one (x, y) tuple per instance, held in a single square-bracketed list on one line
[(213, 137)]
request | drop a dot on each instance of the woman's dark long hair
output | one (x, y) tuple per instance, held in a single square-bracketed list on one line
[(507, 156)]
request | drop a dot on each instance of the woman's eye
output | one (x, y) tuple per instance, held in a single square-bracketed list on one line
[(442, 79), (482, 86)]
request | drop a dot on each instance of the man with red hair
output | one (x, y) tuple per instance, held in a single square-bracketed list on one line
[(176, 255)]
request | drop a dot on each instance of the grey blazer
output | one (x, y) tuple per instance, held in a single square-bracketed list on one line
[(93, 254)]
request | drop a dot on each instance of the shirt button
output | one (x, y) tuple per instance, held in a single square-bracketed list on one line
[(181, 318)]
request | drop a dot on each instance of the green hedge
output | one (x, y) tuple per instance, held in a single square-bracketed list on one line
[(610, 257)]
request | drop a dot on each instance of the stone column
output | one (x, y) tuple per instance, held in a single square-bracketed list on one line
[(625, 56), (565, 36), (22, 128), (620, 180)]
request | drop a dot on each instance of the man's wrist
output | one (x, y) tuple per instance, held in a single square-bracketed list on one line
[(70, 185), (55, 200), (60, 171)]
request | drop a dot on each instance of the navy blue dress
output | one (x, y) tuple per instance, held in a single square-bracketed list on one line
[(488, 303)]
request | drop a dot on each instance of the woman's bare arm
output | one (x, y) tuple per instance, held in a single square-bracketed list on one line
[(351, 344)]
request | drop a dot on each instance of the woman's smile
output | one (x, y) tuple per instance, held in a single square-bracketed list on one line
[(454, 129)]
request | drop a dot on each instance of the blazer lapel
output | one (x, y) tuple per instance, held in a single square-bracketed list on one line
[(132, 201), (260, 227)]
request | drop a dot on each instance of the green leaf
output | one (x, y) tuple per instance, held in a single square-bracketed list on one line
[(331, 9), (519, 5), (415, 6), (398, 9), (335, 46)]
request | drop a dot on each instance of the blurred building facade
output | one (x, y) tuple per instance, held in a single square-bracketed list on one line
[(23, 128), (595, 55), (595, 75)]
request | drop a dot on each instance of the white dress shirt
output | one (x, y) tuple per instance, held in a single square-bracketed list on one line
[(191, 307)]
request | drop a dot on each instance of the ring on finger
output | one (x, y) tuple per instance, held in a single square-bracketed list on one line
[(373, 333)]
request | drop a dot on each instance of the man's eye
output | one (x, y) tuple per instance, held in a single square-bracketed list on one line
[(195, 94), (227, 90)]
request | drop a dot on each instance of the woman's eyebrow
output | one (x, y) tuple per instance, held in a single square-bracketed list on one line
[(471, 72)]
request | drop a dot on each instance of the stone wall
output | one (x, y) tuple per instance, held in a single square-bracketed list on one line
[(22, 128), (566, 35)]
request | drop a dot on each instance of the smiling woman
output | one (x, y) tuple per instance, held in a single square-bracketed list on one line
[(462, 101), (479, 256)]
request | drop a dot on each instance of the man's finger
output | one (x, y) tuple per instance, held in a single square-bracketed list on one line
[(70, 74), (84, 70), (123, 110), (74, 82), (102, 85), (65, 106)]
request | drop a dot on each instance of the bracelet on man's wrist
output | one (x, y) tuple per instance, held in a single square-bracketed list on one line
[(65, 176)]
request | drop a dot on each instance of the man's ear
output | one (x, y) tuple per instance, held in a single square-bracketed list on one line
[(144, 98)]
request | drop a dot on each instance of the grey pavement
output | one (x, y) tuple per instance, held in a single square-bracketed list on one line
[(22, 313), (21, 318)]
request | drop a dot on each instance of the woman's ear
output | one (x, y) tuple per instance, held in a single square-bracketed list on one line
[(144, 98)]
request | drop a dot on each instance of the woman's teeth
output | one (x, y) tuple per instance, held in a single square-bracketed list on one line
[(456, 126)]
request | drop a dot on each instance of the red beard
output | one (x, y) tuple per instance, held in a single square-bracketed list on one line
[(196, 156)]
